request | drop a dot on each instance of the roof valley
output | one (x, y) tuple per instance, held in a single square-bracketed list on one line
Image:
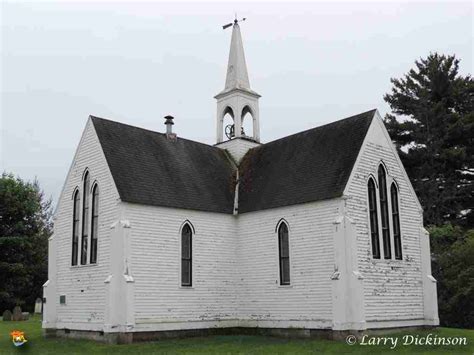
[(152, 170)]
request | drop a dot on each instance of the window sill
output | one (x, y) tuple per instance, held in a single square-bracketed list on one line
[(285, 286), (186, 287), (72, 267), (387, 261)]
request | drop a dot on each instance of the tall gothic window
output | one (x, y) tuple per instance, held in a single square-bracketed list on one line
[(75, 226), (85, 219), (186, 255), (94, 224), (397, 239), (374, 225), (284, 254), (384, 213)]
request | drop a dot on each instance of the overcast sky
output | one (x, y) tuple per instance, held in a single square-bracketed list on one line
[(135, 62)]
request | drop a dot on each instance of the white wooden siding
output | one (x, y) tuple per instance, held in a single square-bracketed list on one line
[(83, 286), (237, 147), (235, 266), (392, 288), (308, 298), (156, 265)]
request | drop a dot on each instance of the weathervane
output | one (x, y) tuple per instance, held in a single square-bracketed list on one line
[(234, 23)]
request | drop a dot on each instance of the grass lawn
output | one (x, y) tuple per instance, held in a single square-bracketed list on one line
[(222, 344)]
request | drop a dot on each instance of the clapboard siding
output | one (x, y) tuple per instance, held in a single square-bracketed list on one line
[(156, 263), (309, 297), (237, 147), (84, 285), (392, 289), (235, 265)]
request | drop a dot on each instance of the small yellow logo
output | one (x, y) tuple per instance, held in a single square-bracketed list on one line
[(18, 338)]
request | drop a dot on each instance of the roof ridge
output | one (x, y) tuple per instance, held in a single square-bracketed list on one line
[(317, 127), (148, 130), (308, 166)]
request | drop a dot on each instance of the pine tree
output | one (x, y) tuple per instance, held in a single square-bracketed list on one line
[(432, 125)]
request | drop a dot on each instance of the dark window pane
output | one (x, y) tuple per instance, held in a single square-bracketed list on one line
[(284, 254), (186, 256), (284, 246), (186, 272), (384, 213), (397, 238), (186, 246), (85, 219), (93, 251), (95, 224), (374, 228), (84, 250), (285, 275), (75, 228)]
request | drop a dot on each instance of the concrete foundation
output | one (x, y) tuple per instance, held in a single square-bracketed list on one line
[(293, 333)]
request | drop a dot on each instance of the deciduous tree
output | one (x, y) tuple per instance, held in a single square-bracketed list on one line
[(25, 226)]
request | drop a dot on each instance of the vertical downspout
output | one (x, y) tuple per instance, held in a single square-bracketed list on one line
[(236, 194)]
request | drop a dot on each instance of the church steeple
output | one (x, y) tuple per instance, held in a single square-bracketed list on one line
[(237, 99), (237, 75)]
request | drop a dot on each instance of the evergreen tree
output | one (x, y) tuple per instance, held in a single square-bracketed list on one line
[(453, 266), (432, 125), (25, 226)]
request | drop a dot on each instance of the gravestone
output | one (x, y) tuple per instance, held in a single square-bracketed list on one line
[(38, 306), (7, 316), (25, 316), (17, 315)]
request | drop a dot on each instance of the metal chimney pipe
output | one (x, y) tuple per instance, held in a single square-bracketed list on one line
[(169, 124)]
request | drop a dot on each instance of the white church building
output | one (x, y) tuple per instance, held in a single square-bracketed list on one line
[(319, 232)]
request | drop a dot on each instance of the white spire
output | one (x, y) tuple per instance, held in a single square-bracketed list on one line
[(237, 99), (237, 76)]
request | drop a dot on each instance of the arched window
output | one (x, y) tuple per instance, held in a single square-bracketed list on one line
[(228, 123), (284, 254), (75, 226), (186, 255), (94, 223), (247, 122), (397, 238), (85, 219), (384, 212), (374, 225)]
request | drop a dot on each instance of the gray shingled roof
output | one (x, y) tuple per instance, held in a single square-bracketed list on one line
[(150, 169), (308, 166)]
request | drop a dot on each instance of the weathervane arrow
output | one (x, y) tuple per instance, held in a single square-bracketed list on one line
[(233, 23)]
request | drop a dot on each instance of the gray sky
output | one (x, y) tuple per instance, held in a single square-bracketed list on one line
[(135, 62)]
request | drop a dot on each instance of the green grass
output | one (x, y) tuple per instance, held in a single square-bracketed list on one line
[(220, 344)]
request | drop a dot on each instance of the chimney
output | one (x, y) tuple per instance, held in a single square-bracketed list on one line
[(169, 127)]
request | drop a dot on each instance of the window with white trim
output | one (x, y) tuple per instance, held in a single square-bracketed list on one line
[(284, 254), (94, 224), (186, 256), (397, 238), (85, 219), (387, 252), (75, 226), (373, 217)]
